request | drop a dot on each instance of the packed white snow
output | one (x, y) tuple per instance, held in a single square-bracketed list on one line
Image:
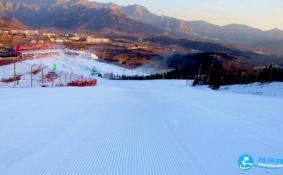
[(274, 89), (81, 65), (135, 127)]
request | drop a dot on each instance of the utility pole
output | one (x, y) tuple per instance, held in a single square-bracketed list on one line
[(42, 76), (71, 73), (14, 73), (271, 70), (52, 82), (60, 78), (199, 72), (31, 74)]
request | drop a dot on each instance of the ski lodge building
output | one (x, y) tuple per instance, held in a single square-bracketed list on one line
[(36, 51)]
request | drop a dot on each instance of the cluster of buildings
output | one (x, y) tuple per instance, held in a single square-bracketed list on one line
[(28, 51), (36, 50), (19, 32), (6, 52), (136, 46), (54, 37), (34, 43), (70, 37)]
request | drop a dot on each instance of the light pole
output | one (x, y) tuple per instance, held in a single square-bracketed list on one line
[(65, 76), (31, 74), (42, 75), (71, 73), (14, 73), (60, 77)]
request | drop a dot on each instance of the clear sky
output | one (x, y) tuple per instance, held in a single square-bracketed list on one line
[(263, 14)]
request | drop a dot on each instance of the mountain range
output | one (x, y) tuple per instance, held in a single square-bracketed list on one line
[(236, 33), (132, 19)]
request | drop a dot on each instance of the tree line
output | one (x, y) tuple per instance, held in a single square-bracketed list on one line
[(216, 75)]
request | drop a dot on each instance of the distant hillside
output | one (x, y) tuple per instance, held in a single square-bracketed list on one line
[(249, 57), (72, 15), (235, 33), (270, 45), (133, 19), (192, 62), (164, 23), (12, 23)]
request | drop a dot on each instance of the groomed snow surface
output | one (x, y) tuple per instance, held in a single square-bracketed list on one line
[(274, 89), (81, 65), (138, 128)]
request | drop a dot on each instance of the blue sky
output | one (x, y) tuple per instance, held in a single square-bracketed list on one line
[(264, 14)]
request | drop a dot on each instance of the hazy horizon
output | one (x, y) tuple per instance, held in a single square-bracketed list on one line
[(261, 14)]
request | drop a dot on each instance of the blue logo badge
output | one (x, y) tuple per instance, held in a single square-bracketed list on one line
[(246, 162)]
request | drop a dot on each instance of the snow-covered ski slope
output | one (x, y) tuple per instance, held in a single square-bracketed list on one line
[(81, 65), (136, 128), (274, 89)]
